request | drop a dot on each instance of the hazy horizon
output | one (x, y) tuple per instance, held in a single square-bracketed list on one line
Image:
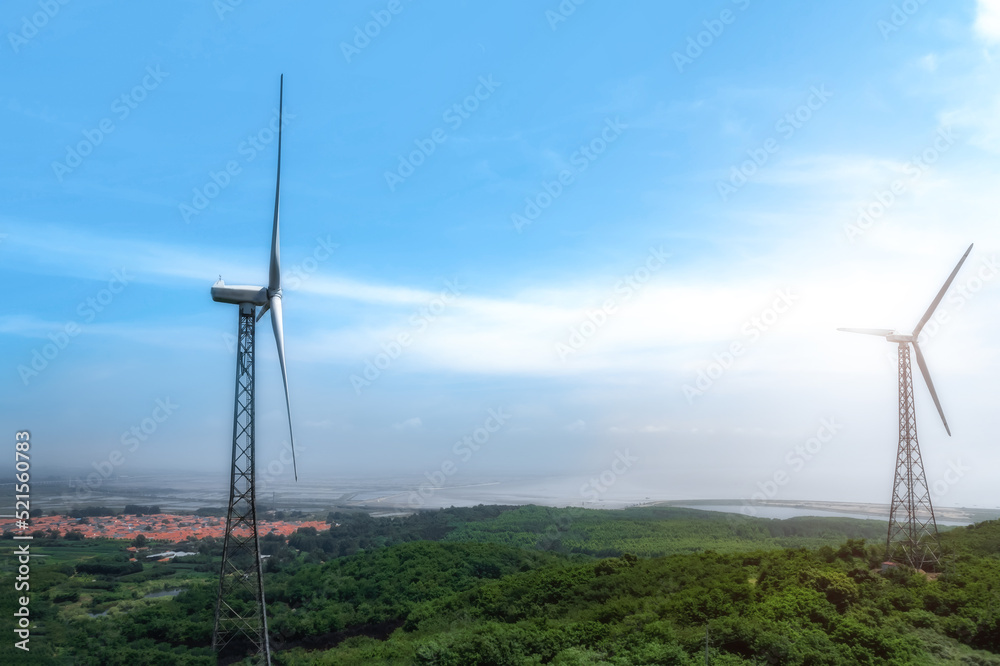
[(193, 490)]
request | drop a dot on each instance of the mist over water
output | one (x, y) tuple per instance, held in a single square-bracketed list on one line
[(185, 493)]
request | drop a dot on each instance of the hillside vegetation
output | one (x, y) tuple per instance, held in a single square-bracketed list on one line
[(502, 586)]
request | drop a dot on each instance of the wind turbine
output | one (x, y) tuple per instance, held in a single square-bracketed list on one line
[(913, 535), (240, 610)]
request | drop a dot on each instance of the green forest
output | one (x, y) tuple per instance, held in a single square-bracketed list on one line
[(526, 585)]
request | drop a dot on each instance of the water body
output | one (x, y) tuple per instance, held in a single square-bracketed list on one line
[(396, 495), (163, 593), (782, 512)]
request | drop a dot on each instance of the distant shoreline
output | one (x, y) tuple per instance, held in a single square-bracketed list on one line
[(876, 511), (397, 496), (775, 509)]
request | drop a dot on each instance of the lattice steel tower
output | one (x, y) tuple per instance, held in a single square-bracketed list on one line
[(240, 612), (240, 617), (913, 535)]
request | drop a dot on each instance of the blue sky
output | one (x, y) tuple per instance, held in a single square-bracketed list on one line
[(567, 215)]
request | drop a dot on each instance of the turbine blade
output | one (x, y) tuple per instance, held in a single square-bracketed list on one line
[(274, 275), (881, 332), (264, 309), (279, 339), (930, 386), (937, 299)]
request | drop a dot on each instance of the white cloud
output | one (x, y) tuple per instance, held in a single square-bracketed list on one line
[(671, 327), (409, 424), (967, 78), (645, 430), (28, 325), (988, 19)]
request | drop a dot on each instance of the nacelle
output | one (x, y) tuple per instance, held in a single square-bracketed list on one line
[(238, 293)]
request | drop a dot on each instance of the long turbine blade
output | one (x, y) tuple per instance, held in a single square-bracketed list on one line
[(881, 332), (279, 339), (930, 385), (937, 299), (274, 276)]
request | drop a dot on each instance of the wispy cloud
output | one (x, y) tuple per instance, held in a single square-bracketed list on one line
[(409, 424), (988, 19)]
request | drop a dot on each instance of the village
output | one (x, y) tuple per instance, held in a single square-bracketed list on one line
[(158, 527)]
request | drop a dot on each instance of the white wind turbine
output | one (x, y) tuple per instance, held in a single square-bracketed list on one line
[(245, 625), (913, 535)]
